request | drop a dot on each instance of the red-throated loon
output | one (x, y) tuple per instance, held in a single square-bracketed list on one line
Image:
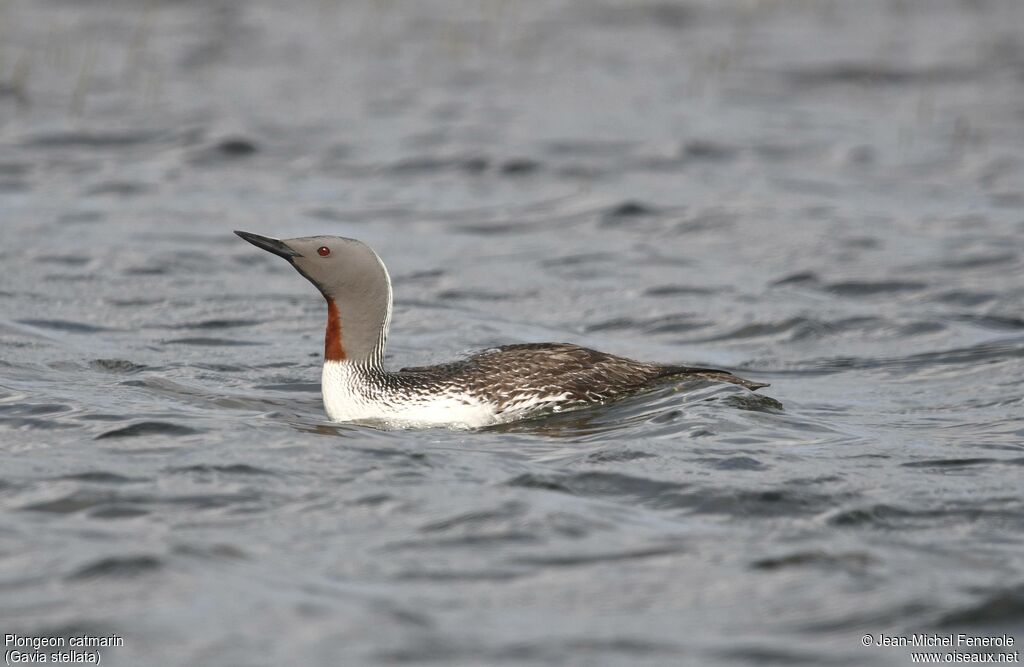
[(494, 386)]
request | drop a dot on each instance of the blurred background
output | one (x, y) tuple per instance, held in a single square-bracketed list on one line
[(827, 196)]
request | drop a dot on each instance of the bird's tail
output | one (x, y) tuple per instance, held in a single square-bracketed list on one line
[(713, 374)]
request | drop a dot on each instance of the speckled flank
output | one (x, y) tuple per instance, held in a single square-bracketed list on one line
[(354, 392), (495, 386)]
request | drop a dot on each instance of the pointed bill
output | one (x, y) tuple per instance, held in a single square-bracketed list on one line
[(276, 246)]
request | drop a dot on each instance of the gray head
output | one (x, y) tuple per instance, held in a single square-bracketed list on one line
[(355, 283)]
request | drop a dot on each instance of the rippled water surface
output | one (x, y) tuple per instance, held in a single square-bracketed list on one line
[(823, 196)]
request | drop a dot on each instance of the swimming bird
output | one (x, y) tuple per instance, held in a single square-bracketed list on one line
[(493, 386)]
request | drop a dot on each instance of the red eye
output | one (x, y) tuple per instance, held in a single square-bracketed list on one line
[(324, 251)]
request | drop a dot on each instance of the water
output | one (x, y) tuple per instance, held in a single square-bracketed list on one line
[(824, 196)]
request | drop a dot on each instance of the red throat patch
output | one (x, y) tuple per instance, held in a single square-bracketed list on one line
[(333, 349)]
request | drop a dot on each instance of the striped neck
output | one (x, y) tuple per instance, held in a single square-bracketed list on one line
[(361, 341), (334, 350)]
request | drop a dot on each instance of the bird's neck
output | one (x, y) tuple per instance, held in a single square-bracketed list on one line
[(334, 349), (355, 336)]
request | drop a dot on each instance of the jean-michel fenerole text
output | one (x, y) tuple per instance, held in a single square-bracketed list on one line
[(955, 640)]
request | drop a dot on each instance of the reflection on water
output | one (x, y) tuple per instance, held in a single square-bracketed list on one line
[(825, 197)]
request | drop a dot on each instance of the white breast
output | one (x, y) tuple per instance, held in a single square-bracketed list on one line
[(348, 399)]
